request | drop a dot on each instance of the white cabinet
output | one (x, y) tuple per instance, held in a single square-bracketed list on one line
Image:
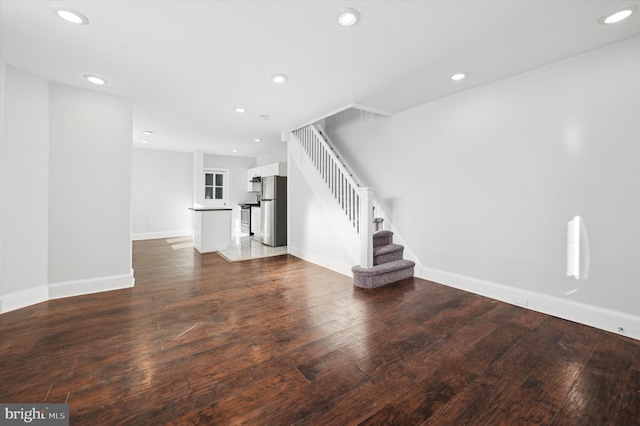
[(253, 172), (255, 221), (274, 169), (211, 229)]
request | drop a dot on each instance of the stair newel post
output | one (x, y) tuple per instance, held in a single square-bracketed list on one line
[(366, 227)]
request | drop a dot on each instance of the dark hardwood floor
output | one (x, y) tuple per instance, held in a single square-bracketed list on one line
[(280, 341)]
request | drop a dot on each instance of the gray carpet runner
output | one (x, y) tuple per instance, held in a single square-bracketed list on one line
[(389, 266)]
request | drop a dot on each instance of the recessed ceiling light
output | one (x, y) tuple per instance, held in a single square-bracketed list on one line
[(264, 116), (257, 140), (234, 150), (240, 110), (457, 77), (70, 15), (618, 15), (147, 132), (279, 78), (348, 17), (95, 79), (145, 141)]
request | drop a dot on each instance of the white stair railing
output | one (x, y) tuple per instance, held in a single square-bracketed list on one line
[(355, 201), (340, 158)]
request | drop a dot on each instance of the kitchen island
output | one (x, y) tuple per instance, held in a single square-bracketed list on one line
[(211, 228)]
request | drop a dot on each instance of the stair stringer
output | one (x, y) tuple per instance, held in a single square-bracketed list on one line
[(336, 222)]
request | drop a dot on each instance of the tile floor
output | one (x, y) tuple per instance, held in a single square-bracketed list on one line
[(243, 247)]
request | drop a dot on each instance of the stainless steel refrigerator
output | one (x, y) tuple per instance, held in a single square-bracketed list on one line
[(273, 210)]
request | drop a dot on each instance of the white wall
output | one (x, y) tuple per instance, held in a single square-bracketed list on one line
[(24, 189), (238, 193), (277, 156), (3, 73), (317, 231), (89, 191), (66, 173), (481, 184), (162, 192)]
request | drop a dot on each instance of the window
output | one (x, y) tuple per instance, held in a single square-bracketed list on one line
[(216, 185)]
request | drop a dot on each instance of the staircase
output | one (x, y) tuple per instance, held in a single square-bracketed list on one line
[(389, 266), (382, 261)]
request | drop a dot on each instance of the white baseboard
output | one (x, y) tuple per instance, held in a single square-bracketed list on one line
[(91, 285), (23, 298), (320, 260), (605, 319), (163, 234)]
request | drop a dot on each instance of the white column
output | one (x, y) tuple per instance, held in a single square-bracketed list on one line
[(198, 179), (366, 227)]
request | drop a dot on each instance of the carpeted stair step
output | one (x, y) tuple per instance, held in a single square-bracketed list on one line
[(383, 274), (388, 253), (382, 238)]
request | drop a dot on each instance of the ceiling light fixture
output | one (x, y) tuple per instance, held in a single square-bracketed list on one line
[(95, 79), (145, 141), (257, 140), (147, 132), (348, 17), (264, 116), (618, 15), (240, 110), (279, 78), (70, 15), (458, 77), (234, 150)]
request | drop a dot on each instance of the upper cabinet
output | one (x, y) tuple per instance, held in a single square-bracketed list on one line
[(274, 169), (253, 172)]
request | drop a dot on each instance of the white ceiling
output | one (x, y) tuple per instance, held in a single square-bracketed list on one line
[(185, 65)]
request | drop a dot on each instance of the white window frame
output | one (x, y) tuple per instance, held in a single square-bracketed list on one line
[(212, 202)]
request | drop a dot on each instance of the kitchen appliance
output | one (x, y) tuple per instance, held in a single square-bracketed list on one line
[(256, 184), (245, 219), (273, 212)]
